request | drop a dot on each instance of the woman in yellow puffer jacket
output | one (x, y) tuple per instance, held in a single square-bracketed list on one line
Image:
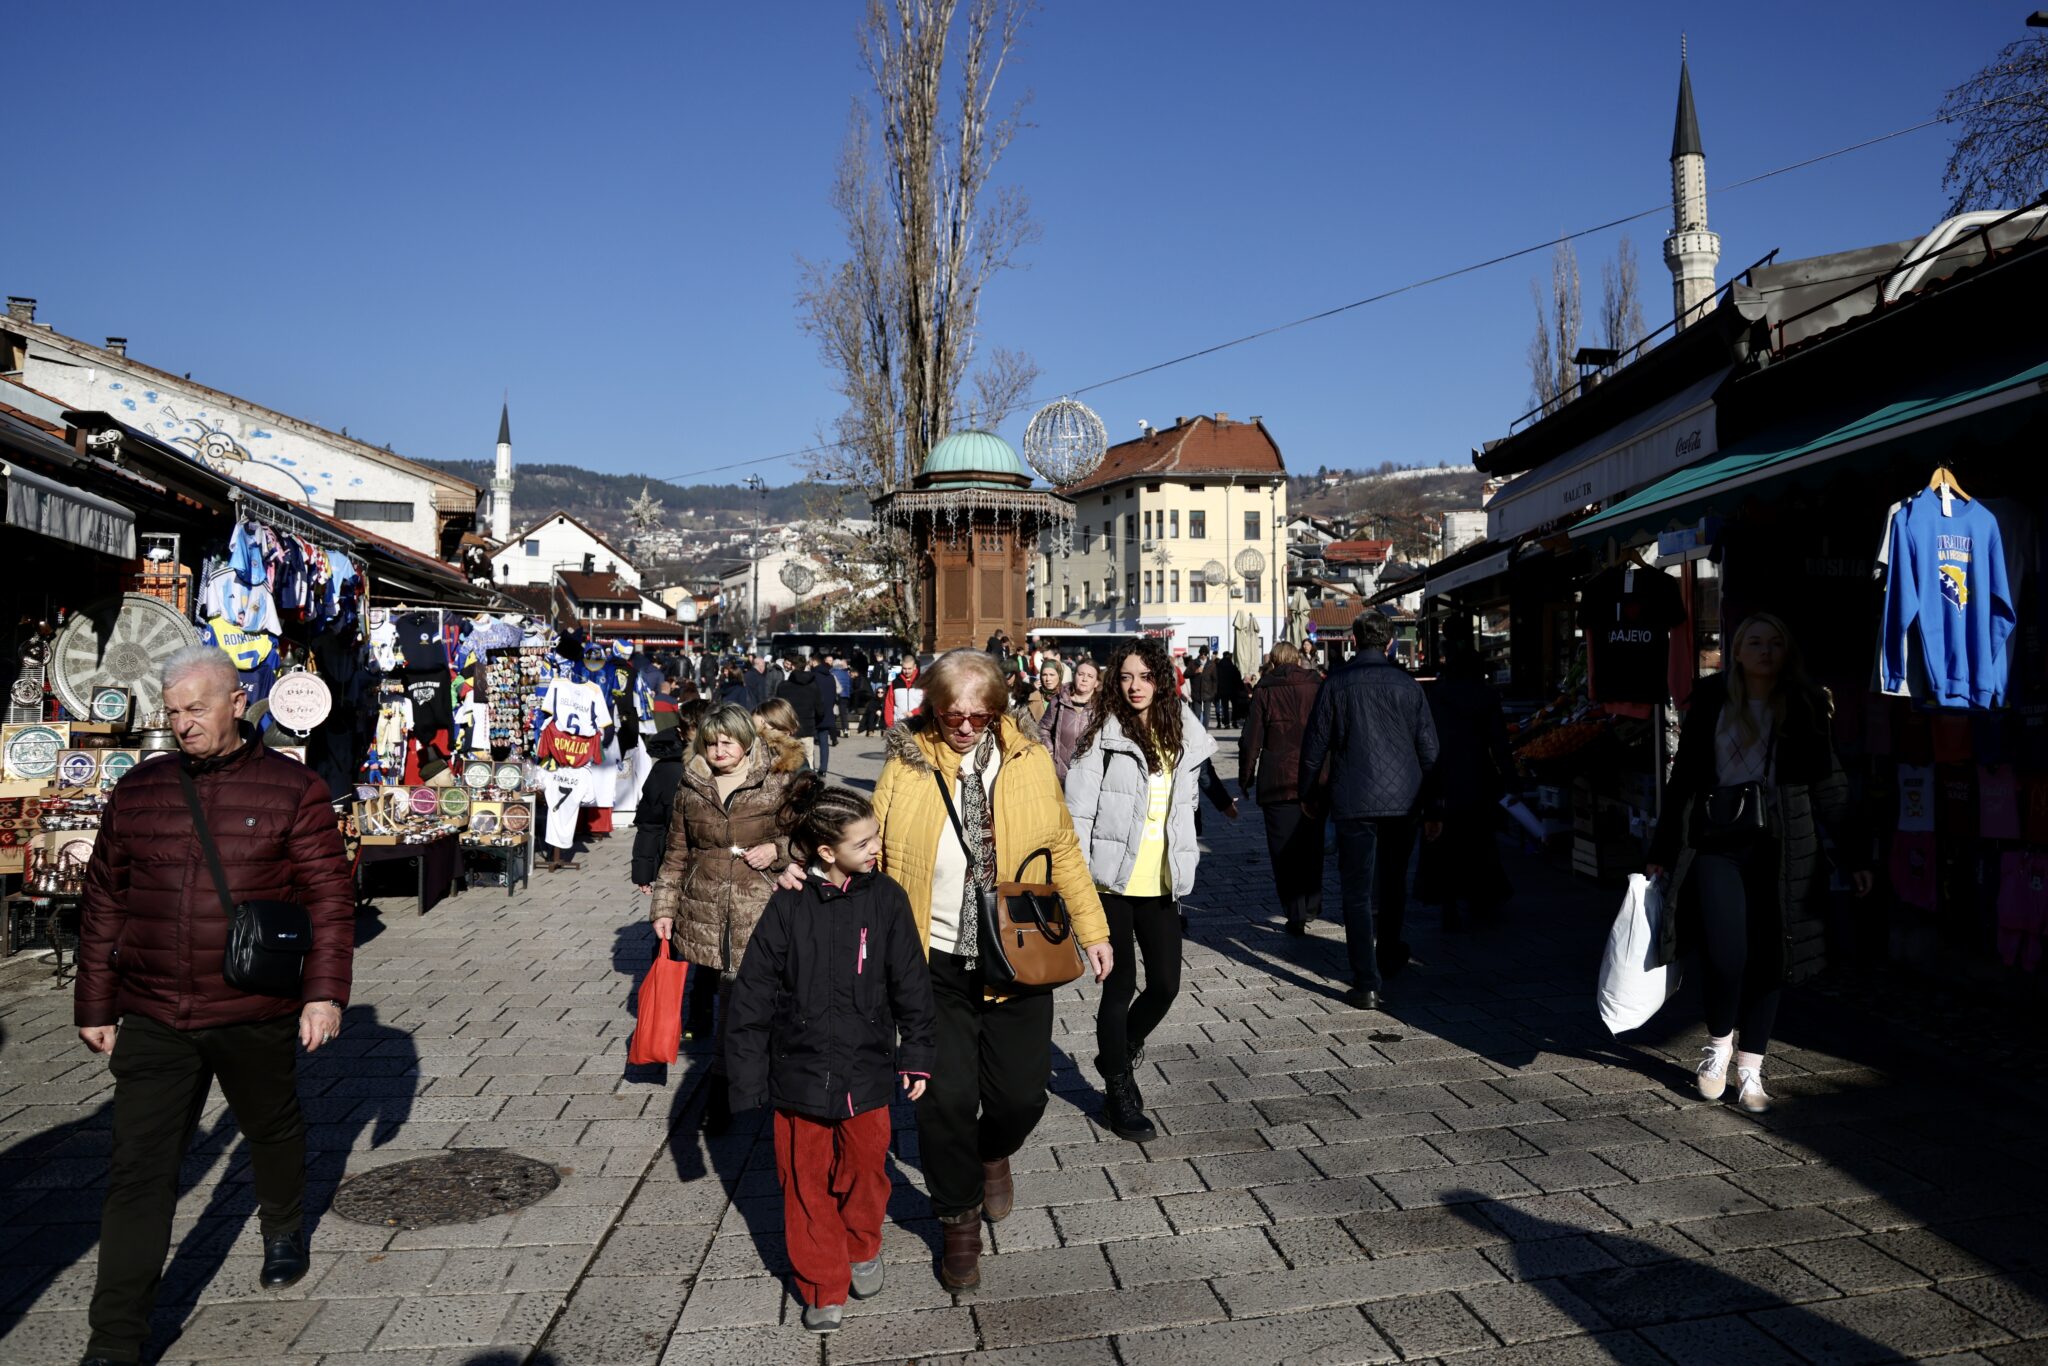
[(988, 1089)]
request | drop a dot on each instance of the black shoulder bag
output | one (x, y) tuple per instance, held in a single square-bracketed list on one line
[(267, 940)]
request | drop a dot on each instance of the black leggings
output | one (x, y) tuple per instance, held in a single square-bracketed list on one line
[(1740, 933), (1150, 924)]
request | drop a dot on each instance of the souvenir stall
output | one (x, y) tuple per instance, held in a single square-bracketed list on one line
[(1897, 534)]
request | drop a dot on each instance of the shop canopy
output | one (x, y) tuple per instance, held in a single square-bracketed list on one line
[(1954, 398), (1645, 447), (42, 505)]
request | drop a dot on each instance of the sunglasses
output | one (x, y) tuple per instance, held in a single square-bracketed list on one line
[(973, 720)]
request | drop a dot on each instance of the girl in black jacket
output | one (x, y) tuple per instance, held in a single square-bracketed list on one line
[(834, 972)]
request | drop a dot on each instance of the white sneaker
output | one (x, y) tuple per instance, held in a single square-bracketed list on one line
[(822, 1318), (867, 1279), (1713, 1070), (1752, 1097)]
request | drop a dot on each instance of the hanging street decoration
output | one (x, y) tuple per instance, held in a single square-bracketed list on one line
[(1065, 442)]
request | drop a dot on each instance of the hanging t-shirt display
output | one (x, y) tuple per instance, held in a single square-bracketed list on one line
[(1627, 613), (1916, 799), (254, 654), (575, 716), (1948, 604), (419, 642)]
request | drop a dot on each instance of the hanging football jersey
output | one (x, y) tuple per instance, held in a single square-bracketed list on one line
[(1947, 601)]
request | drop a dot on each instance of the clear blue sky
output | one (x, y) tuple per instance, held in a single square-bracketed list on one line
[(382, 215)]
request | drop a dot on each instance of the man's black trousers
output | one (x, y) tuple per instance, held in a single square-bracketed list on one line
[(987, 1090), (161, 1077)]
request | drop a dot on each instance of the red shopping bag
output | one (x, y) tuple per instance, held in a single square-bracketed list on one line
[(659, 1032)]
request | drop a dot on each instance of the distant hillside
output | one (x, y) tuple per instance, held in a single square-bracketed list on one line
[(601, 499), (1387, 489)]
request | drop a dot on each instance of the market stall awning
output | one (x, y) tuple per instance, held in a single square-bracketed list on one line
[(1649, 445), (1953, 398), (1485, 568), (48, 508)]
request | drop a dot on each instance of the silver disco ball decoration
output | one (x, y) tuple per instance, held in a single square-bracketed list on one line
[(1213, 573), (798, 578), (1250, 563), (1065, 442)]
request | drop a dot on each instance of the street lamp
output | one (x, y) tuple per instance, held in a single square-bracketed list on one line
[(2038, 19), (760, 486)]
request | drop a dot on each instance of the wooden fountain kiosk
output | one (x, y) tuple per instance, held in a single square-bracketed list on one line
[(973, 520)]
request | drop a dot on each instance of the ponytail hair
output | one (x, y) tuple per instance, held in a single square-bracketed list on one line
[(816, 813)]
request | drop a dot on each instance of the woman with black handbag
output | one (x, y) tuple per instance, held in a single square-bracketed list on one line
[(1754, 784), (967, 801), (1131, 791)]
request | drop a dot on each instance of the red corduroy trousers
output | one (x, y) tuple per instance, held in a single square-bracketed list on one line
[(835, 1191)]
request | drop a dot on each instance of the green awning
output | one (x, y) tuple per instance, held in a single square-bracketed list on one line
[(1952, 398)]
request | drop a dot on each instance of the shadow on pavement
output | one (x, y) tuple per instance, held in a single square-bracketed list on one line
[(64, 1219)]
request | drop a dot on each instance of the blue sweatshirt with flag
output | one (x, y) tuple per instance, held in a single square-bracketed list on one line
[(1948, 598)]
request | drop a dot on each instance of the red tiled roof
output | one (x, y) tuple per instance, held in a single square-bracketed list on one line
[(1335, 616), (598, 587), (1358, 552), (1199, 447)]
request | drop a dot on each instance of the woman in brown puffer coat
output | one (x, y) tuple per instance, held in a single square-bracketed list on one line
[(727, 842)]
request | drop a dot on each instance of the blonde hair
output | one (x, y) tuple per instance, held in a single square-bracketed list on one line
[(1284, 653), (965, 675), (1791, 676), (729, 722), (777, 712)]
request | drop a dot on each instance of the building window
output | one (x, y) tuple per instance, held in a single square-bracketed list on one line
[(1198, 588), (1131, 529), (1108, 588), (1131, 588), (1066, 597), (1251, 588), (1173, 524), (1129, 494), (1198, 526), (1088, 592), (1148, 524), (1108, 533), (1151, 488), (533, 549), (1173, 585), (1148, 588), (367, 510), (1251, 526), (1105, 500)]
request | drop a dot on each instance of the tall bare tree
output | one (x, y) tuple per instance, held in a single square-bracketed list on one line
[(1621, 310), (898, 319), (2000, 156), (1551, 372)]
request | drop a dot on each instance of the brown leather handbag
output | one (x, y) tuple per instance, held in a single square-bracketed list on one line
[(1027, 934)]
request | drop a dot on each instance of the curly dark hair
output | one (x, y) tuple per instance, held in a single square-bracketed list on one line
[(1157, 731)]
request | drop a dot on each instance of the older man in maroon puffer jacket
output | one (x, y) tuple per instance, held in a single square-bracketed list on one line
[(150, 989)]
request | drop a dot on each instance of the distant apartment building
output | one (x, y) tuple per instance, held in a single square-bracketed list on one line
[(559, 542), (1174, 534)]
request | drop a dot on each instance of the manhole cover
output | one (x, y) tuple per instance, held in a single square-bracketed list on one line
[(457, 1187)]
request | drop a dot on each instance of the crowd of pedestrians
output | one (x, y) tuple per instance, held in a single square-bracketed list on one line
[(842, 938)]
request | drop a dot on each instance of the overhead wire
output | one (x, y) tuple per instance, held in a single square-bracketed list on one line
[(1323, 315)]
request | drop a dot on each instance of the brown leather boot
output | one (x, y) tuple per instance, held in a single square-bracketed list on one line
[(960, 1264), (998, 1192)]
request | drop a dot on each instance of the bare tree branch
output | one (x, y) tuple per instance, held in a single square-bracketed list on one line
[(898, 320), (1999, 159)]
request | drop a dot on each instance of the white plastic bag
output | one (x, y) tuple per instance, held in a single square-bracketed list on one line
[(1632, 988)]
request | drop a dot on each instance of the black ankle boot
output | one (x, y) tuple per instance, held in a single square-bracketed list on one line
[(1124, 1110), (717, 1107)]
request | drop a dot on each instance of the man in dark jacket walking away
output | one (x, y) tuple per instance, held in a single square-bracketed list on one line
[(151, 990), (1202, 687), (1269, 771), (1229, 692), (1473, 772), (814, 698), (1369, 747)]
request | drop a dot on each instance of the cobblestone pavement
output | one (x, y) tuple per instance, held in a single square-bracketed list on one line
[(1476, 1173)]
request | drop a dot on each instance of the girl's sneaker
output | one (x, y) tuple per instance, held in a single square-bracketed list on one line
[(867, 1279), (1752, 1096), (1713, 1069), (822, 1318)]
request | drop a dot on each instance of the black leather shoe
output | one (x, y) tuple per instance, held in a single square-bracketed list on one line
[(1124, 1112), (1297, 928), (284, 1262), (1362, 999)]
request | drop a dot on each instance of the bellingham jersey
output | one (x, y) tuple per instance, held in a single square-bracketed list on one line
[(1948, 602)]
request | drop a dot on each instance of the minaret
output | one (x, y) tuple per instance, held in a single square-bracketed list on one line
[(1691, 251), (501, 481)]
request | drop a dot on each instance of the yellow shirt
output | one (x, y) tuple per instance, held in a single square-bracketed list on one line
[(1149, 876)]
